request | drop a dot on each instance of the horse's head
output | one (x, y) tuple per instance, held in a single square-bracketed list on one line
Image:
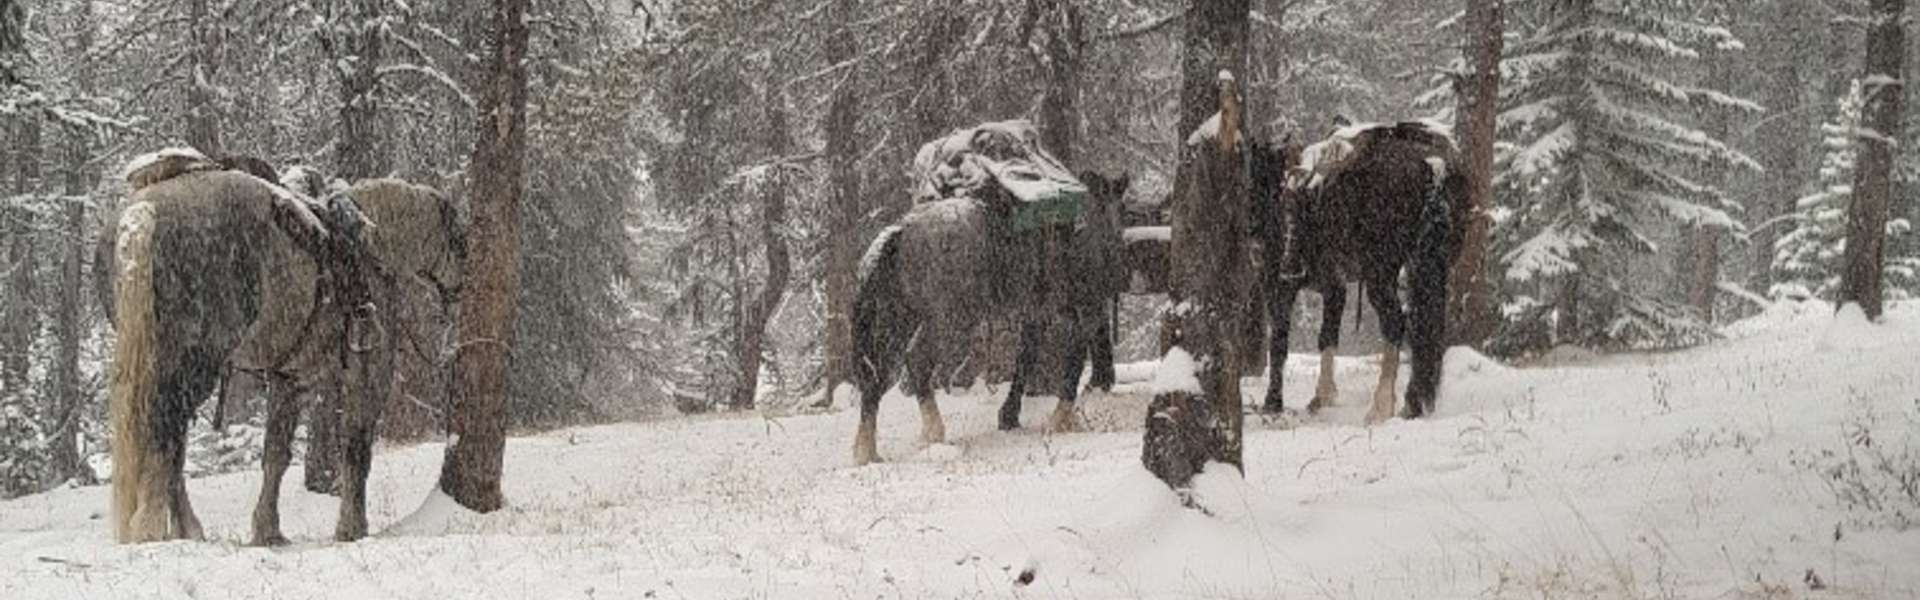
[(1105, 194), (1275, 205)]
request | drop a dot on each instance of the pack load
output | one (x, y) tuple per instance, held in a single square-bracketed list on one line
[(1006, 154)]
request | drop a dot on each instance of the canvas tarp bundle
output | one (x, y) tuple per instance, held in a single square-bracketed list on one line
[(1006, 154)]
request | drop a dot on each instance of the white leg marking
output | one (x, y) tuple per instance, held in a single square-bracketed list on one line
[(1326, 392), (1383, 394), (864, 451), (933, 430)]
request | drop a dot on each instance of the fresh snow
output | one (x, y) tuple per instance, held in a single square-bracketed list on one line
[(1695, 474), (1147, 232), (149, 159)]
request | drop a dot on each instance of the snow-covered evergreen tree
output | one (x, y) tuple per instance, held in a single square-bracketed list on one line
[(1603, 157), (1808, 259)]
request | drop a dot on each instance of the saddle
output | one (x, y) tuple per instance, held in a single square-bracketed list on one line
[(1006, 156), (1326, 160)]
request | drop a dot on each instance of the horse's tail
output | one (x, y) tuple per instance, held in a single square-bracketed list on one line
[(878, 342), (1434, 249), (133, 388)]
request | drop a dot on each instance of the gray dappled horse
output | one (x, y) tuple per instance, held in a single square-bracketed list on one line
[(213, 265), (947, 265), (1363, 205)]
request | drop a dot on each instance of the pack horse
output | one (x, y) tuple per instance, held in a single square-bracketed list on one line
[(212, 266)]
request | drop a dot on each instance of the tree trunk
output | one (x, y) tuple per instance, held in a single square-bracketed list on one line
[(1702, 263), (844, 206), (1476, 121), (69, 402), (478, 425), (359, 151), (22, 322), (1186, 430), (1792, 55), (1873, 181), (203, 113), (752, 335)]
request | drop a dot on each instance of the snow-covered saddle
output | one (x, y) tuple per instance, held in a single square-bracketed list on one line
[(1325, 160), (1007, 155)]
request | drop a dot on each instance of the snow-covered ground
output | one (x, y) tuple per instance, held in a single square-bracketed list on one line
[(1721, 472)]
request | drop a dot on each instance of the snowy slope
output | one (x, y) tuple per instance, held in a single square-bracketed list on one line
[(1700, 474)]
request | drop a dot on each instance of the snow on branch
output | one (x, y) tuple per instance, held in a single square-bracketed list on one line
[(1148, 28), (431, 74)]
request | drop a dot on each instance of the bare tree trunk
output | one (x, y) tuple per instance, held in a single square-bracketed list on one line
[(845, 205), (203, 113), (69, 401), (1873, 182), (22, 322), (1475, 120), (751, 343), (1187, 430), (478, 424), (1793, 54), (1702, 262), (359, 150)]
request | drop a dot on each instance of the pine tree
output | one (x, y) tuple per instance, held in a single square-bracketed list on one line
[(1809, 258), (1604, 161)]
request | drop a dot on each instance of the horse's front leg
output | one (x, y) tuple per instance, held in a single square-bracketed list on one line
[(1333, 303), (283, 416), (1100, 342), (1384, 294), (1280, 301), (1030, 333)]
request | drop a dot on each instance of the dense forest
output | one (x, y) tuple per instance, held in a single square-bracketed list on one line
[(701, 177)]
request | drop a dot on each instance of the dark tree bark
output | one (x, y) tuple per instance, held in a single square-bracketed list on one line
[(359, 154), (1475, 121), (22, 322), (845, 205), (750, 345), (69, 401), (1210, 218), (470, 473), (1873, 181), (203, 113)]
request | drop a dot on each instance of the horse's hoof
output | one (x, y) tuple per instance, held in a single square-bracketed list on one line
[(865, 456), (1006, 425), (1318, 402), (1064, 422), (1379, 414), (269, 540)]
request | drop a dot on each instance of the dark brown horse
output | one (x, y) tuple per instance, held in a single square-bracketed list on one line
[(1363, 205), (928, 281)]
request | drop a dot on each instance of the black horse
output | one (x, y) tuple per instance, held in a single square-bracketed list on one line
[(928, 281), (1366, 203)]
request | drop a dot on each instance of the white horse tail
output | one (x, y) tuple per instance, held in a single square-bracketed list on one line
[(133, 387)]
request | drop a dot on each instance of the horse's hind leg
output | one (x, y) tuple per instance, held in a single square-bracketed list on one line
[(1333, 299), (283, 415), (1384, 293), (922, 368), (1075, 359), (369, 376), (1030, 333)]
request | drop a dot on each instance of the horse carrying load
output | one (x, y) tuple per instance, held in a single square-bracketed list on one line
[(987, 237), (215, 264), (970, 163)]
